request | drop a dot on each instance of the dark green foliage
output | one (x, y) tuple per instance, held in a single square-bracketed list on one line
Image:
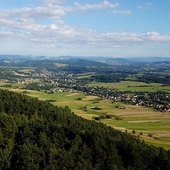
[(105, 116), (37, 135), (108, 78), (155, 78)]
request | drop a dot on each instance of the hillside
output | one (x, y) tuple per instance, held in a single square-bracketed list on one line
[(37, 135)]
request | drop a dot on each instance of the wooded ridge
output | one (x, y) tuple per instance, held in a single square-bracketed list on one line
[(37, 135)]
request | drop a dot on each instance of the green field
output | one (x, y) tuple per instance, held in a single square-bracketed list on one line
[(85, 75), (134, 86), (143, 121)]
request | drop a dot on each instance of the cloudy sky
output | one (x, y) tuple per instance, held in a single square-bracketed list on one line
[(118, 28)]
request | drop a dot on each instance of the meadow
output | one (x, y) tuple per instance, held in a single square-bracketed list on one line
[(134, 86)]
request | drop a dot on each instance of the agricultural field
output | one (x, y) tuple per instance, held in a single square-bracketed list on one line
[(85, 75), (78, 86), (147, 124), (60, 65), (134, 86)]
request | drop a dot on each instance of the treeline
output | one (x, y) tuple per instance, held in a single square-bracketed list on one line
[(7, 74), (37, 135), (109, 78), (39, 86), (155, 78)]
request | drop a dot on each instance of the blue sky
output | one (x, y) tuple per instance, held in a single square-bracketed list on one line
[(114, 28)]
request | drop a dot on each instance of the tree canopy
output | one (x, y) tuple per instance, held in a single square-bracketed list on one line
[(37, 135)]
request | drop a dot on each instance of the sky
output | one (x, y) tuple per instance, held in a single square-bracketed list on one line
[(111, 28)]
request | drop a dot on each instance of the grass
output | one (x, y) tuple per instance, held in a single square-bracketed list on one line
[(60, 65), (85, 75), (134, 86), (27, 70)]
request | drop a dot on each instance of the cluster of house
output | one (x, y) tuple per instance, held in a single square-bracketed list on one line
[(159, 101)]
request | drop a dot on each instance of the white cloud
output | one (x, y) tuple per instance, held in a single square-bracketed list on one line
[(149, 4), (24, 25), (53, 33), (136, 38), (27, 18), (145, 6), (139, 6), (6, 34), (103, 5), (122, 12), (157, 37), (110, 5), (30, 15), (53, 1)]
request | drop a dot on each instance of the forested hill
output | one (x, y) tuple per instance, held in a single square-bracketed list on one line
[(35, 135)]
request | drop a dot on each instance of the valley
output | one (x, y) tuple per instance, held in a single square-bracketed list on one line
[(116, 98)]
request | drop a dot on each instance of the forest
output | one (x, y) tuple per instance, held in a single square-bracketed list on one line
[(38, 135)]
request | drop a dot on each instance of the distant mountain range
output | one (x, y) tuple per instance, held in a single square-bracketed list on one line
[(149, 59), (81, 59)]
